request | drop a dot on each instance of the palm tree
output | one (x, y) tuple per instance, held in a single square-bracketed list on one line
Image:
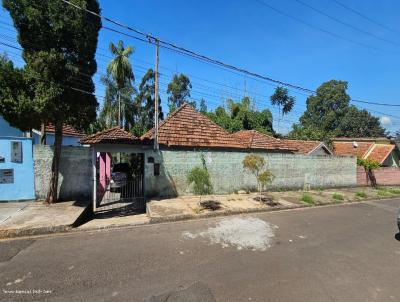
[(121, 70)]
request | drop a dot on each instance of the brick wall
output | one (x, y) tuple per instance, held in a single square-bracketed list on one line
[(385, 176)]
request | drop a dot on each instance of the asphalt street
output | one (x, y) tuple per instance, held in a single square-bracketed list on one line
[(336, 253)]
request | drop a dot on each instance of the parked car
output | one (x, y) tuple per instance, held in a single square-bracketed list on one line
[(119, 176), (398, 220)]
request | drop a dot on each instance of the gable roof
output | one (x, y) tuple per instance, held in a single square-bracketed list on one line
[(256, 140), (115, 135), (364, 148), (380, 152), (185, 127), (306, 147), (67, 130), (353, 148)]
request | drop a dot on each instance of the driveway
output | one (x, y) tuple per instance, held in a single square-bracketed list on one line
[(336, 253)]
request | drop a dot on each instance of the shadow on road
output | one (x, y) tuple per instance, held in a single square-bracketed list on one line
[(397, 236)]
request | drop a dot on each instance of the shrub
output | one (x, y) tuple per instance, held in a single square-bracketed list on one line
[(257, 166), (337, 196), (369, 166), (361, 194), (307, 198), (201, 181)]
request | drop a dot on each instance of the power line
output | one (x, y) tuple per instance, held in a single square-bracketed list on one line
[(316, 27), (366, 17), (168, 45), (347, 24)]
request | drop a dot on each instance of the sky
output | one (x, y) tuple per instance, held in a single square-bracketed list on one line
[(303, 42)]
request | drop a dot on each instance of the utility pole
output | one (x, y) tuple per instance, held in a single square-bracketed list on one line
[(156, 98)]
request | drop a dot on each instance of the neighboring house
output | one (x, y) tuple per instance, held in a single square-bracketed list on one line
[(308, 147), (7, 130), (71, 136), (253, 139), (379, 149)]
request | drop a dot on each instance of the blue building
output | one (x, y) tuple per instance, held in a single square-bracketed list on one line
[(16, 169), (71, 136)]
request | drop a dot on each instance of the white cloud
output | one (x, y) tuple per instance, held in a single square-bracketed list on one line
[(385, 120)]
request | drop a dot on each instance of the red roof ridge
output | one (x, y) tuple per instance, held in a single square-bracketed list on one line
[(110, 135), (150, 133)]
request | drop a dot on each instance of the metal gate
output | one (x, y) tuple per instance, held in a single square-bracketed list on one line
[(128, 197)]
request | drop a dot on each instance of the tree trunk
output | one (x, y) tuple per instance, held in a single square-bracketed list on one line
[(372, 178), (52, 194), (42, 134)]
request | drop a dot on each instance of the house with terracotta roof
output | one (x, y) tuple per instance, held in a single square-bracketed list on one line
[(308, 147), (382, 150), (255, 140), (188, 139), (71, 136)]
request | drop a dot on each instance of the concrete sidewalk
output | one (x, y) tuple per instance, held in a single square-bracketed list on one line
[(35, 218)]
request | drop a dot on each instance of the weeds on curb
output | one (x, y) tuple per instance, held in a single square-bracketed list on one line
[(337, 197), (394, 191), (383, 193), (307, 198), (361, 194)]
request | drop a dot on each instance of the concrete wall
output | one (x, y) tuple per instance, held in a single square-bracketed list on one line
[(385, 176), (227, 174), (75, 177), (22, 187)]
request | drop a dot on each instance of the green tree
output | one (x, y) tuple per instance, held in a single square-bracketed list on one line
[(16, 95), (330, 114), (115, 99), (326, 109), (59, 44), (145, 104), (121, 71), (241, 116), (283, 100), (203, 106), (178, 91), (360, 123)]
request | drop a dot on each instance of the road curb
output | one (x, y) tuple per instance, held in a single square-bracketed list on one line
[(15, 233)]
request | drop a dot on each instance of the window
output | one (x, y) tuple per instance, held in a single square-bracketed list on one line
[(156, 169), (150, 160)]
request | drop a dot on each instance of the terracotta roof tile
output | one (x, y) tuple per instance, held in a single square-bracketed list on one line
[(114, 135), (303, 146), (67, 130), (380, 152), (350, 148), (186, 127), (256, 140)]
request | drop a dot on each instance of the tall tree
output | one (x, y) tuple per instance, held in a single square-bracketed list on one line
[(59, 44), (326, 109), (241, 116), (360, 123), (121, 71), (114, 100), (145, 101), (283, 100), (330, 114), (178, 91), (203, 106)]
